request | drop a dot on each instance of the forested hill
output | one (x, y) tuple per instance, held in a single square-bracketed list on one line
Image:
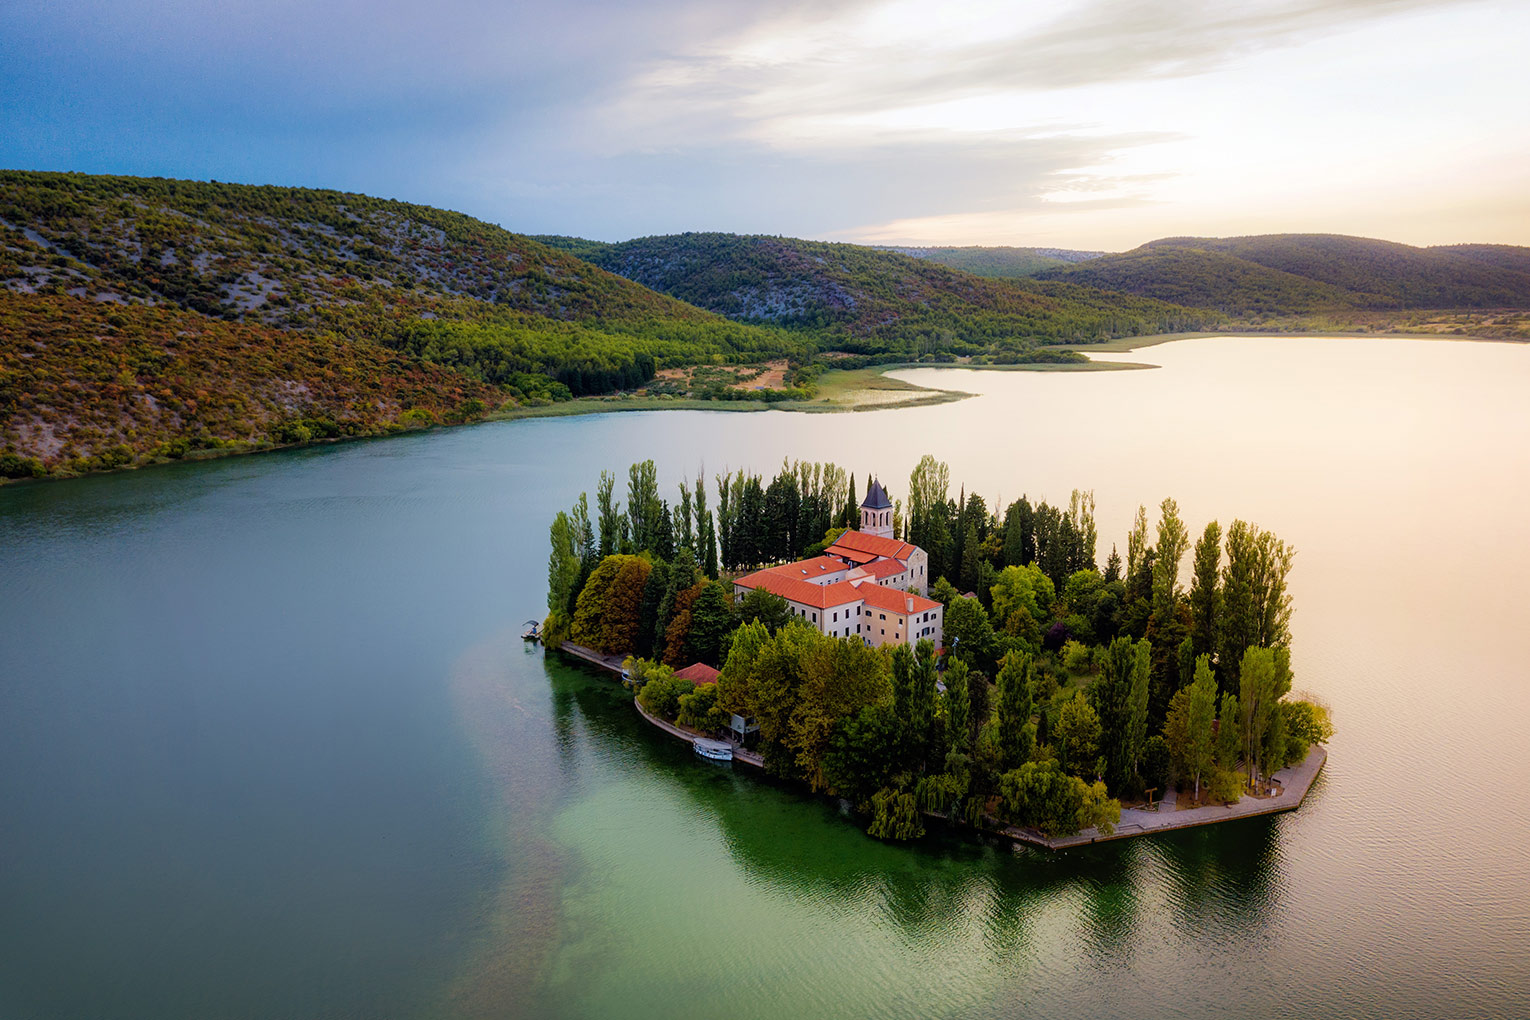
[(1293, 273), (872, 300), (354, 315), (1001, 263)]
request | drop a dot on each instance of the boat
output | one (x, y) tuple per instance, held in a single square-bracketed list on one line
[(533, 630), (714, 750)]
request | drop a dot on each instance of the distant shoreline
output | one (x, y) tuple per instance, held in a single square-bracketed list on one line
[(849, 391)]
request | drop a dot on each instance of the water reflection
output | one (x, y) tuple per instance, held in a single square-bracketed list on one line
[(1219, 882)]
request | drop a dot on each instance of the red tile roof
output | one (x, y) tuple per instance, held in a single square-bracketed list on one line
[(876, 545), (827, 596), (891, 600), (880, 569), (698, 673), (794, 589), (806, 570)]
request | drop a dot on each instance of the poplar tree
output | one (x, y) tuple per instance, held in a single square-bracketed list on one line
[(1120, 698), (1173, 539), (1199, 752), (958, 707), (610, 528), (1013, 711), (563, 566), (1205, 595)]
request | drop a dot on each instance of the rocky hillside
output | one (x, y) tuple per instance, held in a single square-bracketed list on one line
[(872, 300)]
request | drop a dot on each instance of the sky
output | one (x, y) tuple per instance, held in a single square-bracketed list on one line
[(1094, 124)]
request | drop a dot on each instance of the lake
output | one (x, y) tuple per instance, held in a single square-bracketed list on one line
[(270, 745)]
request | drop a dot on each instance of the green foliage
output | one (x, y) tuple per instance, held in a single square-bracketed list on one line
[(867, 301), (799, 684), (769, 609), (87, 386), (958, 702), (1264, 677), (661, 695), (864, 751), (193, 316), (1156, 765), (640, 671), (607, 613), (894, 815), (969, 635), (999, 263), (699, 710), (1229, 741), (1189, 730), (1224, 786), (1307, 722), (1286, 273), (563, 566), (1076, 736), (1078, 658), (1013, 711), (1120, 697), (1022, 589), (1042, 796)]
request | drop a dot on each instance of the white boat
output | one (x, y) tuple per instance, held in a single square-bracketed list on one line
[(714, 750)]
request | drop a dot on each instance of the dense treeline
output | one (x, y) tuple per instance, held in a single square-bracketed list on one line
[(872, 301), (641, 577), (1062, 689)]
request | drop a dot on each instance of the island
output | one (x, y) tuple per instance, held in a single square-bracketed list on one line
[(943, 662)]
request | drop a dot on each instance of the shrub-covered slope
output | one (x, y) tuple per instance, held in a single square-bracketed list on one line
[(366, 285), (872, 300), (1294, 273), (1000, 263), (86, 385)]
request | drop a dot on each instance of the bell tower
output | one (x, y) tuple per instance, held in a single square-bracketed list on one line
[(877, 511)]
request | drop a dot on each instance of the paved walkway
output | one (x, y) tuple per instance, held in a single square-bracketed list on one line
[(594, 658), (1294, 783), (690, 736)]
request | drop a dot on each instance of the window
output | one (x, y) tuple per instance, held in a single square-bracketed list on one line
[(882, 615), (836, 617), (815, 617)]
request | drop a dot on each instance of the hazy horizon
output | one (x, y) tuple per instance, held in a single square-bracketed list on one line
[(1096, 125)]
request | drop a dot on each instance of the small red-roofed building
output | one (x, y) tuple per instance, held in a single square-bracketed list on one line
[(698, 673)]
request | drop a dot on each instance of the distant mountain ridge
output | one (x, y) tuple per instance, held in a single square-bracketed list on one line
[(1002, 263), (1292, 273), (866, 299)]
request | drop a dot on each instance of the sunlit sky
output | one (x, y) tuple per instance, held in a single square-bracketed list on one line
[(1084, 124)]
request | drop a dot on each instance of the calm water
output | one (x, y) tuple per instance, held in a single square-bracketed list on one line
[(270, 746)]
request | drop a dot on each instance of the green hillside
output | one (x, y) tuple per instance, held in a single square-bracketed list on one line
[(1280, 274), (369, 284), (875, 301), (999, 263), (1504, 256)]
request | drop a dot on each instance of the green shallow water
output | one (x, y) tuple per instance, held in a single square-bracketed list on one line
[(270, 745)]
